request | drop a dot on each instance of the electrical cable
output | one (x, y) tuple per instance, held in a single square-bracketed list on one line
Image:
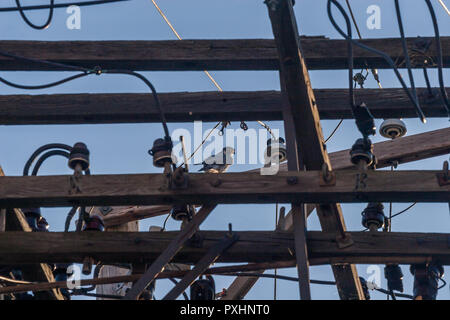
[(444, 283), (403, 211), (440, 62), (374, 71), (32, 25), (86, 72), (405, 49), (41, 149), (387, 58), (444, 6), (165, 222), (47, 155), (334, 131), (61, 5)]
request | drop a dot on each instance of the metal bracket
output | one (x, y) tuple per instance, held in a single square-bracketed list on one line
[(444, 177), (179, 179), (74, 184), (344, 242), (327, 177)]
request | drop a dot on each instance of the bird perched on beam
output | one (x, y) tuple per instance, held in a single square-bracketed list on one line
[(220, 162)]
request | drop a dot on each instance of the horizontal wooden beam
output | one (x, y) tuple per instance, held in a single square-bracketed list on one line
[(149, 189), (252, 246), (406, 149), (204, 106), (175, 55), (252, 267)]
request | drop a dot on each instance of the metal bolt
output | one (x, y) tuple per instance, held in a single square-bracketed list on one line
[(292, 181)]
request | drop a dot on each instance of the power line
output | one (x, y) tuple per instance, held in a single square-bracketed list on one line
[(444, 6)]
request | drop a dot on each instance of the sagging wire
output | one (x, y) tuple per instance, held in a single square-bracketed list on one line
[(54, 149), (334, 131), (51, 6), (440, 61), (320, 282), (403, 211), (387, 58), (373, 71), (85, 72), (32, 25), (224, 124), (405, 49)]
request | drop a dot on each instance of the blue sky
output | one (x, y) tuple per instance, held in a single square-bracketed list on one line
[(123, 148)]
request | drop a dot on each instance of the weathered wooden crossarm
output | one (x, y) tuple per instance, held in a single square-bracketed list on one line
[(173, 55), (204, 106), (252, 246), (147, 189)]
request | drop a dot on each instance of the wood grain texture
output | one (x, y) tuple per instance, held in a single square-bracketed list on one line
[(145, 189), (202, 106), (252, 247), (169, 252), (174, 55), (301, 108), (15, 221)]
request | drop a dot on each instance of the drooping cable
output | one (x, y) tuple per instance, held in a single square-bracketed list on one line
[(60, 5), (440, 61), (86, 72), (405, 49), (403, 211), (32, 25), (46, 147), (47, 155), (386, 57)]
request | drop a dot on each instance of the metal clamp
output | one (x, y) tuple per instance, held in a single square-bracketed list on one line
[(444, 177), (179, 179), (327, 177)]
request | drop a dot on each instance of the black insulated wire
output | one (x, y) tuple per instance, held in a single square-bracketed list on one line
[(405, 50), (61, 5), (47, 155), (46, 147), (386, 57), (440, 61), (32, 25)]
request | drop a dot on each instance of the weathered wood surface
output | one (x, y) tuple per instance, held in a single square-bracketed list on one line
[(304, 117), (123, 215), (169, 252), (251, 267), (252, 246), (204, 106), (406, 149), (15, 221), (173, 55), (145, 189)]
